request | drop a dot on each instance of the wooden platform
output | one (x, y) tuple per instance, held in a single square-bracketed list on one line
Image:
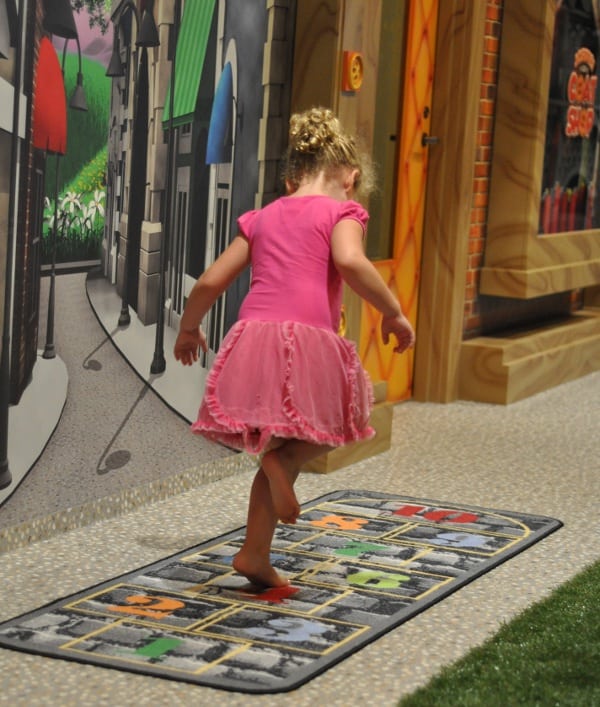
[(515, 366), (381, 420)]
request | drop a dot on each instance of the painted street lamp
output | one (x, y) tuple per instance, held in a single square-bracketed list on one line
[(77, 102), (147, 36), (159, 364)]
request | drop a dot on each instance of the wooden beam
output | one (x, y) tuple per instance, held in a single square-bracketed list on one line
[(455, 112)]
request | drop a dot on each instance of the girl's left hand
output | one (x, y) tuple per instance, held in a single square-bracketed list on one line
[(187, 345)]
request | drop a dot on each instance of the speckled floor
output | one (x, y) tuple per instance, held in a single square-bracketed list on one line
[(540, 455)]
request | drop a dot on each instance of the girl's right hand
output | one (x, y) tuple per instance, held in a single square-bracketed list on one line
[(401, 328), (187, 345)]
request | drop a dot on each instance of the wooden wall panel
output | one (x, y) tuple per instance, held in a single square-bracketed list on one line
[(316, 54), (449, 198), (324, 29)]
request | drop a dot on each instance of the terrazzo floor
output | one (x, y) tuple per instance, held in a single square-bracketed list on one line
[(540, 455)]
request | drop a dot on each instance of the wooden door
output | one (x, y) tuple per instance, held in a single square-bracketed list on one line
[(395, 237)]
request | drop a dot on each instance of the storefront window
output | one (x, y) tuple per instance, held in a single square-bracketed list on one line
[(533, 158), (572, 152)]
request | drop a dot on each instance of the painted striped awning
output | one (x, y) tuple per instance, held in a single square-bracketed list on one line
[(191, 51), (50, 103)]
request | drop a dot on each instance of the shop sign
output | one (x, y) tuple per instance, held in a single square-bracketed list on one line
[(581, 92)]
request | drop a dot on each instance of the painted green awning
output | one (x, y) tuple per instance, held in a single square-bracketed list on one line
[(191, 51)]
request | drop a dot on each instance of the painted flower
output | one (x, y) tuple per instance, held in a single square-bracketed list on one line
[(48, 212), (70, 202), (95, 205)]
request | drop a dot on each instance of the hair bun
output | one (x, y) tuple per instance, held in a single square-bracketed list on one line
[(313, 130), (317, 143)]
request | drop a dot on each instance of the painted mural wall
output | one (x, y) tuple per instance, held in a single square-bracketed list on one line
[(77, 180), (216, 132), (245, 23)]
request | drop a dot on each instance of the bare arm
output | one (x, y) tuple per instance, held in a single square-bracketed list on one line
[(208, 287), (362, 276)]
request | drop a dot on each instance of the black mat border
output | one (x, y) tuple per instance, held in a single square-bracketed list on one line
[(322, 664)]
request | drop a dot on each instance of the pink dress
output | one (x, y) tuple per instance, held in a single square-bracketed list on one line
[(282, 370)]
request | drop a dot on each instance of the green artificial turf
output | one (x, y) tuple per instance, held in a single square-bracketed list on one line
[(548, 655)]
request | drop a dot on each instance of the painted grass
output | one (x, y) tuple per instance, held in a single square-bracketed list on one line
[(548, 655)]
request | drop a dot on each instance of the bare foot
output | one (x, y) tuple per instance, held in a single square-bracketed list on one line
[(258, 572), (282, 490)]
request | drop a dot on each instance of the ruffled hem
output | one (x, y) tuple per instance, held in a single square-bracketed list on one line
[(257, 442), (296, 408)]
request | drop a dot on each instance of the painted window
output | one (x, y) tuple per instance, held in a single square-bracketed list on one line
[(571, 155)]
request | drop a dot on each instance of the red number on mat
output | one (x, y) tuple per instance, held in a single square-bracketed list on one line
[(438, 515)]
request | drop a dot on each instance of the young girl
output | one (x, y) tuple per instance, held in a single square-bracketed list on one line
[(284, 384)]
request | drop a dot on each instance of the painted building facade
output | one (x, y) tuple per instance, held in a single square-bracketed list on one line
[(22, 174), (225, 136)]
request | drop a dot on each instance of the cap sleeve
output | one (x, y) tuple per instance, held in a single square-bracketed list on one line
[(353, 210), (246, 222)]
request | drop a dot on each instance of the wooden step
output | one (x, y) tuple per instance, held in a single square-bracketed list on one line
[(504, 369), (381, 420)]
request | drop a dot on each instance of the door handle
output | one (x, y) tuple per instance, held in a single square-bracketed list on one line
[(429, 140)]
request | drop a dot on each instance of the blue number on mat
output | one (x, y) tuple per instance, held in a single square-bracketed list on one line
[(459, 540), (296, 630)]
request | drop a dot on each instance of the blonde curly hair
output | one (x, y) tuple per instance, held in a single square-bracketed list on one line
[(318, 142)]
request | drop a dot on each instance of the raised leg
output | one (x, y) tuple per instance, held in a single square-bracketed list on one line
[(282, 466)]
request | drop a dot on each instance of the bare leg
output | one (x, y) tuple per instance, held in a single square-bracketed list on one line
[(253, 560), (282, 466)]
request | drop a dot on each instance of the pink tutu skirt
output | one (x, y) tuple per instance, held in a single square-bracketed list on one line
[(285, 380)]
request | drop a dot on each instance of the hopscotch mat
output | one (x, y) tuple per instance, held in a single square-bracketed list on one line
[(360, 563)]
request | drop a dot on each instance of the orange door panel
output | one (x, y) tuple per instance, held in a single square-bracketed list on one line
[(401, 271)]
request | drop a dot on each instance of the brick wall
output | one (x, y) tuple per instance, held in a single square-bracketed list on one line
[(485, 314), (481, 176)]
